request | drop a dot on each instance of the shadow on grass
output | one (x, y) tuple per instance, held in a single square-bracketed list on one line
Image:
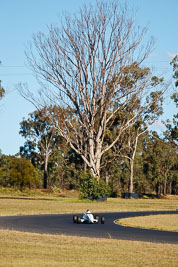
[(29, 198)]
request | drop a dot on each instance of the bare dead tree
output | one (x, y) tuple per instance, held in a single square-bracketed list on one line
[(84, 60)]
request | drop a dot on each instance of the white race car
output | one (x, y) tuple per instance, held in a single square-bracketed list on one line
[(87, 217)]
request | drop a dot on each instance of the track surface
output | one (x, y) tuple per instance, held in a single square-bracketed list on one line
[(62, 224)]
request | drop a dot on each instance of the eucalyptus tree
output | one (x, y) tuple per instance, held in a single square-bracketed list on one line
[(171, 132), (161, 163), (132, 136), (126, 146), (41, 138), (171, 137), (81, 65)]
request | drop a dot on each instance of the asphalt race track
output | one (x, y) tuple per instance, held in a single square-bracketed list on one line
[(63, 224)]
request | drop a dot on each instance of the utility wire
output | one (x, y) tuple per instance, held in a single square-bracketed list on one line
[(23, 66), (15, 74), (24, 74)]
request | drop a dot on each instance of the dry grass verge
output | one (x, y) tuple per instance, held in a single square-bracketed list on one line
[(168, 222), (26, 249), (19, 206)]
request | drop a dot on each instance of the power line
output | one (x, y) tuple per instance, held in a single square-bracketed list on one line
[(166, 63), (13, 66), (15, 74), (23, 66)]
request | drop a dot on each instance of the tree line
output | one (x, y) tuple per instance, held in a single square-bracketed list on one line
[(141, 157)]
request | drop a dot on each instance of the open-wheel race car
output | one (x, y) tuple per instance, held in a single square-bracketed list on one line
[(88, 217)]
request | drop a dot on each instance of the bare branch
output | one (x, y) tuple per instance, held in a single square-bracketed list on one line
[(85, 60)]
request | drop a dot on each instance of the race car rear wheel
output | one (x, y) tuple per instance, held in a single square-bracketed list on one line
[(74, 219), (102, 220), (78, 220)]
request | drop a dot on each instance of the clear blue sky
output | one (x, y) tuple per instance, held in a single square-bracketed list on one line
[(19, 19)]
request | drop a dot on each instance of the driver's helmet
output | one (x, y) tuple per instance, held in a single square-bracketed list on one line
[(87, 211)]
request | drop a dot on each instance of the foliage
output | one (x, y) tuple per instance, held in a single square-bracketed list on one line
[(64, 169), (125, 149), (174, 63), (171, 132), (41, 139), (161, 164), (90, 187), (2, 92), (5, 162), (22, 173), (56, 163)]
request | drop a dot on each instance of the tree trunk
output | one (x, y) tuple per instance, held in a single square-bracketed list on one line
[(84, 162), (45, 179), (95, 168), (131, 176), (95, 157), (170, 188), (131, 163), (165, 185), (157, 189)]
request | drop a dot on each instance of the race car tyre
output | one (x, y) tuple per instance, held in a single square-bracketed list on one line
[(102, 220), (74, 219), (97, 218), (78, 220)]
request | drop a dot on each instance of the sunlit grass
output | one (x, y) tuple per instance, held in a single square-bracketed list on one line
[(167, 222), (15, 202), (26, 249), (17, 206)]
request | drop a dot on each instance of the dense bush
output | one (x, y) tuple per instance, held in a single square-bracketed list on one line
[(90, 187), (22, 173)]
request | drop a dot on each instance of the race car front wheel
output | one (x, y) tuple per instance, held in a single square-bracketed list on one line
[(97, 218), (74, 219)]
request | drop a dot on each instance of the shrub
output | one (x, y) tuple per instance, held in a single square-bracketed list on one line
[(22, 173), (90, 187)]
